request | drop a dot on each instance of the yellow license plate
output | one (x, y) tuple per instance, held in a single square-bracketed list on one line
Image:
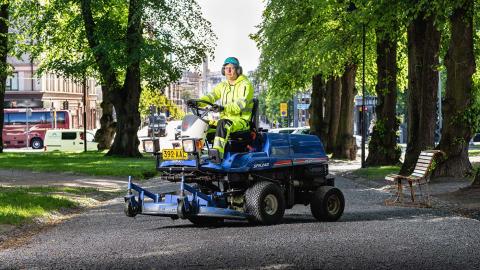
[(174, 154)]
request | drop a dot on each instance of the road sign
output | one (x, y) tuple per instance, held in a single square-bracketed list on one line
[(283, 109), (302, 106)]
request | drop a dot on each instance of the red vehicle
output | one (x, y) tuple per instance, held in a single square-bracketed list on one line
[(17, 134)]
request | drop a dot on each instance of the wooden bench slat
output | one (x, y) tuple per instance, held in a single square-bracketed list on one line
[(420, 172), (427, 154), (421, 166), (425, 158), (420, 175)]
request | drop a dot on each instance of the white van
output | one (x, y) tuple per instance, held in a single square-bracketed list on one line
[(68, 140)]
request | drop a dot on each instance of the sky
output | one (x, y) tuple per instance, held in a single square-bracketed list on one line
[(232, 21)]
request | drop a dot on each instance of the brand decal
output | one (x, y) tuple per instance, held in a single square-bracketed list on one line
[(261, 165)]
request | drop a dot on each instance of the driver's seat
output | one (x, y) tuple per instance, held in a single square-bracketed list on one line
[(239, 140)]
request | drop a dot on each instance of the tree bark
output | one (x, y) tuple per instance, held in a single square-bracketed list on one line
[(127, 99), (346, 147), (383, 148), (460, 63), (423, 49), (317, 104), (3, 62), (334, 90), (104, 136)]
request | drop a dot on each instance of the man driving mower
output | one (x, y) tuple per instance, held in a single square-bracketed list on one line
[(236, 99)]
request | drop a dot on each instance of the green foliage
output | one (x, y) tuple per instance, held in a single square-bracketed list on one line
[(175, 37), (154, 97)]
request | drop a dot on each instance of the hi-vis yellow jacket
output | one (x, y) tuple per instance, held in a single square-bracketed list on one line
[(237, 99)]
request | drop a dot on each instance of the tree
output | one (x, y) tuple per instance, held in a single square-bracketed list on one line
[(423, 55), (126, 45), (4, 48), (383, 148), (459, 111), (300, 40)]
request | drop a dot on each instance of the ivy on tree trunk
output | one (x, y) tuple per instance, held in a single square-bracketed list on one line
[(423, 49), (457, 105), (383, 148)]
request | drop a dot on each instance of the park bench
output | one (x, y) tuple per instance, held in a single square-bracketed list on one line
[(420, 177)]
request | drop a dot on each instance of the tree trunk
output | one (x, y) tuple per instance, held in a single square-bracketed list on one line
[(423, 49), (346, 147), (104, 135), (317, 104), (334, 89), (460, 63), (127, 99), (383, 148), (325, 125), (3, 62)]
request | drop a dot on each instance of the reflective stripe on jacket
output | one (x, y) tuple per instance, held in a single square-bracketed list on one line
[(237, 99)]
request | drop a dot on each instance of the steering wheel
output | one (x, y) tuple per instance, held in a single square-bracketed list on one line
[(202, 111)]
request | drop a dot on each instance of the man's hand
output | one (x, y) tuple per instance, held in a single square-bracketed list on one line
[(218, 108), (192, 103)]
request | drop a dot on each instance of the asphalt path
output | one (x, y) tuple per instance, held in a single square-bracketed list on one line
[(369, 235)]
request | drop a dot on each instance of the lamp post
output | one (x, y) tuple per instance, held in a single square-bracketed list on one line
[(351, 7), (363, 96), (84, 114)]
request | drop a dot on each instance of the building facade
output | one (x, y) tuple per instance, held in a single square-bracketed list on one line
[(50, 91)]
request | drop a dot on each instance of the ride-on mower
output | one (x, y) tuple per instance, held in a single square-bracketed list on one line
[(260, 176)]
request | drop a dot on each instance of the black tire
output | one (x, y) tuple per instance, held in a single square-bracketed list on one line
[(130, 210), (36, 143), (327, 203), (265, 203), (205, 221)]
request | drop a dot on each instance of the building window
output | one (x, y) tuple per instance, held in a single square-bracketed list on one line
[(12, 82)]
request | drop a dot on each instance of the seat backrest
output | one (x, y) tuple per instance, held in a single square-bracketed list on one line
[(254, 117), (424, 162)]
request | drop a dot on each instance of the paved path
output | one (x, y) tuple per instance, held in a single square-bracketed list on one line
[(369, 235)]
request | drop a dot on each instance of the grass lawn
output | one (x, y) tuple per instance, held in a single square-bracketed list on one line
[(90, 163), (22, 204), (380, 172), (474, 152)]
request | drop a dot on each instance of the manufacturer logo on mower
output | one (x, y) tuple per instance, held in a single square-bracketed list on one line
[(261, 165)]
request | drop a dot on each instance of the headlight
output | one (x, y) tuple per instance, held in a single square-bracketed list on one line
[(189, 145)]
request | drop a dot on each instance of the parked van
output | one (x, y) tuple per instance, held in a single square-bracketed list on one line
[(68, 140)]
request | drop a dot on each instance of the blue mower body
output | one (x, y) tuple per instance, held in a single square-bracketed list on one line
[(257, 180)]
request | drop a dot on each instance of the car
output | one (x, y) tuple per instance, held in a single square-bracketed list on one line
[(68, 140), (302, 130), (156, 125), (288, 130)]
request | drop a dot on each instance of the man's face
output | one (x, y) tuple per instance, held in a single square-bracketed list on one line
[(230, 72)]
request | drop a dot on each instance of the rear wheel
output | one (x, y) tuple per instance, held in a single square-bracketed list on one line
[(265, 203), (327, 203), (36, 143)]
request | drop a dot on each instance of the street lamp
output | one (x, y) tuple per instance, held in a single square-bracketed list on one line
[(84, 114)]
